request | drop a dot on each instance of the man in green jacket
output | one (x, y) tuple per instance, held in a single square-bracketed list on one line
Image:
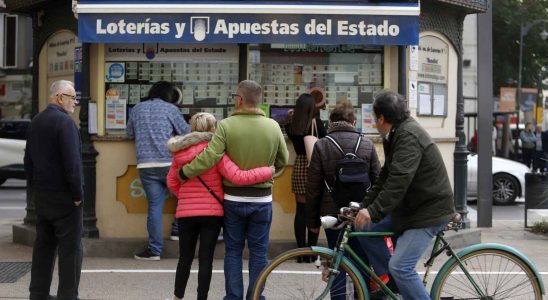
[(251, 140), (413, 187)]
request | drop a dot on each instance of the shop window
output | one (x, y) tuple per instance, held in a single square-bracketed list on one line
[(340, 72), (10, 41), (206, 76)]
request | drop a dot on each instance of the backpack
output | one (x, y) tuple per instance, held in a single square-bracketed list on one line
[(351, 180)]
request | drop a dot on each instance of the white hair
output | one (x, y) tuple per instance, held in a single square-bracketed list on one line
[(58, 86)]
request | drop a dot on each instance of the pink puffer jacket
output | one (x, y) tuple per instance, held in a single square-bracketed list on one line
[(193, 198)]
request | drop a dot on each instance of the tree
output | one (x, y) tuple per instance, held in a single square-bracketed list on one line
[(508, 15)]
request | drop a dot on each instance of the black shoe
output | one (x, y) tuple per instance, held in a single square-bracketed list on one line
[(174, 235), (147, 255)]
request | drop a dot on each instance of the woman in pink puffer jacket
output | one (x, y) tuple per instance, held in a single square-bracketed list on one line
[(199, 213)]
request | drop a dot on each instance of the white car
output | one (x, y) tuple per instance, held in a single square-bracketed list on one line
[(508, 179), (12, 152)]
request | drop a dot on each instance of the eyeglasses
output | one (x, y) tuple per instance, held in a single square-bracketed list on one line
[(73, 97), (236, 95)]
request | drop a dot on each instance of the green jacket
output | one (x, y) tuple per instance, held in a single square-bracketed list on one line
[(251, 140), (413, 185)]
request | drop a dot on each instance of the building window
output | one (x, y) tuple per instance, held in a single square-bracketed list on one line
[(10, 41)]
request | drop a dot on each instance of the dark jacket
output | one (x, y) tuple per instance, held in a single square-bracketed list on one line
[(53, 155), (322, 166), (413, 185), (544, 138)]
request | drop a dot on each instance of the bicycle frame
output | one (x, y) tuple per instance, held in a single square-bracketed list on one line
[(440, 246), (343, 248)]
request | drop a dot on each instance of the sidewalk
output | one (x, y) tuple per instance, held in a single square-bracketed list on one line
[(126, 278)]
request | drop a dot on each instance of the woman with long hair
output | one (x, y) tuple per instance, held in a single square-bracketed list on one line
[(300, 125)]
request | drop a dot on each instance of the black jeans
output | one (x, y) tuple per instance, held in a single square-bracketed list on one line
[(58, 229), (207, 228)]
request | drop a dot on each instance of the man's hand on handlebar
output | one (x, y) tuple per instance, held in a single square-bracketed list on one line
[(362, 219)]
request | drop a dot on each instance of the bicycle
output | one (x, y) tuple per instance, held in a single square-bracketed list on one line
[(484, 271)]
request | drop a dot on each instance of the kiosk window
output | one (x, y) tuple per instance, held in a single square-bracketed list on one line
[(341, 72), (204, 75)]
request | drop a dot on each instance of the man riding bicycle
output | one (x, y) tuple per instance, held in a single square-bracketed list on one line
[(413, 187)]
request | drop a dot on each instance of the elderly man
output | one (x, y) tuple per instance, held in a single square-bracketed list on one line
[(53, 163), (413, 188), (251, 140)]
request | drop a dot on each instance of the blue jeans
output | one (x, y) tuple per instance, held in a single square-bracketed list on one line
[(245, 221), (377, 253), (411, 245), (154, 183)]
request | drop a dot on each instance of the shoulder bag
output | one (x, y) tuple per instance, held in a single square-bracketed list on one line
[(310, 140)]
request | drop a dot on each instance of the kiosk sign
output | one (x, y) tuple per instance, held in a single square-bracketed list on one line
[(248, 28)]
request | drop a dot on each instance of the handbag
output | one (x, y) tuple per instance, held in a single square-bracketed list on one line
[(310, 140), (210, 191)]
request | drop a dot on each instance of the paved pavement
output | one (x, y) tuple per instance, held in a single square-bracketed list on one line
[(126, 278)]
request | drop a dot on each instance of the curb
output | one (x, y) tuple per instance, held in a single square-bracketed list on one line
[(118, 248)]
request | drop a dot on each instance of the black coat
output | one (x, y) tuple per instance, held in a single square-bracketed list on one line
[(544, 138), (53, 154), (322, 166)]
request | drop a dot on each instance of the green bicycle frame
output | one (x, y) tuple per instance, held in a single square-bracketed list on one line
[(339, 257)]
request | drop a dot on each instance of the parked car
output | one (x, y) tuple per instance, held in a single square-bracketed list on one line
[(508, 179), (14, 129), (12, 149)]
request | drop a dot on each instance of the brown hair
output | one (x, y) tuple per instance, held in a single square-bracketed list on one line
[(343, 111)]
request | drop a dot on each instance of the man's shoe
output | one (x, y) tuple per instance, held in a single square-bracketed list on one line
[(147, 255), (174, 236)]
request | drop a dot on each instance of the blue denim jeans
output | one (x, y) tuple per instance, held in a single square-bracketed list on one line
[(377, 253), (154, 183), (411, 245), (245, 221)]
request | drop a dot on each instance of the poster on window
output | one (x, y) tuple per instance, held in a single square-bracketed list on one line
[(116, 114), (368, 119)]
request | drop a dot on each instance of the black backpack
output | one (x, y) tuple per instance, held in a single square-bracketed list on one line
[(351, 181)]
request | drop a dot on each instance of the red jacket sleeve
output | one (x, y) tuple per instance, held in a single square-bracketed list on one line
[(234, 174), (172, 180)]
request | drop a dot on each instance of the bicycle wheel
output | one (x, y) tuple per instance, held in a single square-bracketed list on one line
[(291, 276), (498, 274)]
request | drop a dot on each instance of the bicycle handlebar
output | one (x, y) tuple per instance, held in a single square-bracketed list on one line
[(347, 215)]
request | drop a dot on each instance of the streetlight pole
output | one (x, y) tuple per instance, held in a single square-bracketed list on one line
[(523, 31)]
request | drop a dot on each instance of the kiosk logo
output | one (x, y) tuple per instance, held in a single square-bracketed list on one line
[(199, 27)]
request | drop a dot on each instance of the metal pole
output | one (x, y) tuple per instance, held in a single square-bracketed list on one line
[(460, 155), (518, 98), (485, 118), (89, 153)]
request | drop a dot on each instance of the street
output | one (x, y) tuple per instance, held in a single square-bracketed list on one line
[(126, 278)]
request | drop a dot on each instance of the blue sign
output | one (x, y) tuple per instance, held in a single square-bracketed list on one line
[(78, 73), (248, 28)]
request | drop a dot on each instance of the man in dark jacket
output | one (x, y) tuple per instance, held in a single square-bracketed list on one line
[(413, 188), (53, 163)]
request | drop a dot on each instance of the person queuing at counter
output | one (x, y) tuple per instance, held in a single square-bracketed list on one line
[(321, 172), (251, 140), (301, 124), (151, 123), (53, 164), (200, 205)]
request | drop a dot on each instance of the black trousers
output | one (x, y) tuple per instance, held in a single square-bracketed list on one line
[(207, 228), (58, 231)]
